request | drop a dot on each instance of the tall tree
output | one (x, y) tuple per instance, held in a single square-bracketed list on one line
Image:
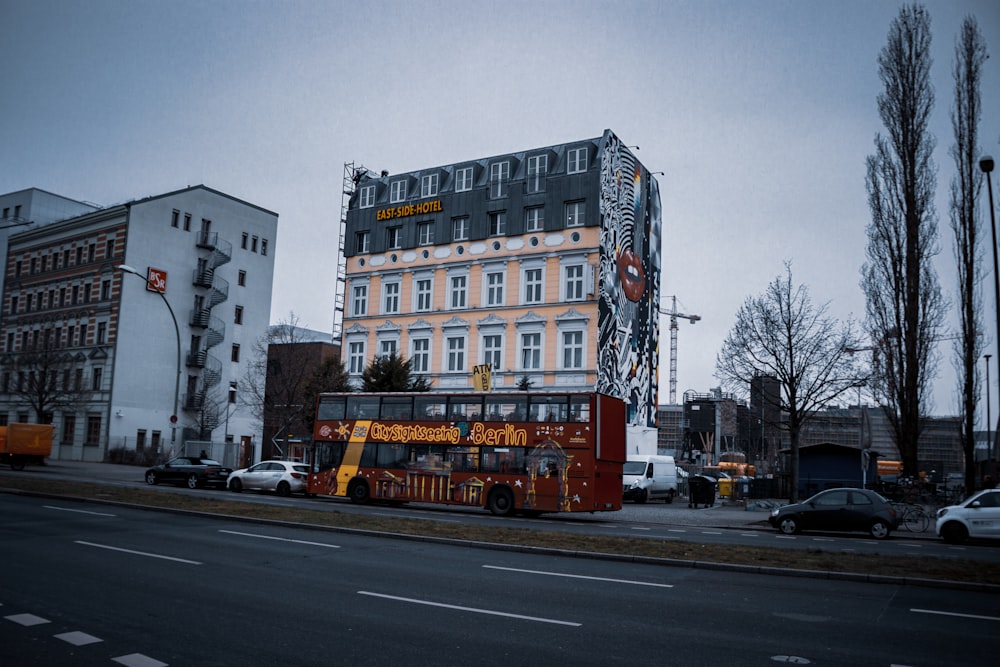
[(783, 334), (392, 373), (45, 378), (905, 307), (966, 187), (330, 375)]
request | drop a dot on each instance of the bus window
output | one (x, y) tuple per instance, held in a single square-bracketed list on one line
[(463, 459), (368, 455), (397, 407), (549, 409), (465, 407), (507, 408), (392, 455), (503, 459), (331, 408), (362, 407), (579, 408), (429, 407), (328, 455)]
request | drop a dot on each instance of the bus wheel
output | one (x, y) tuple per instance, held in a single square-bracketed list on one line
[(358, 492), (501, 501)]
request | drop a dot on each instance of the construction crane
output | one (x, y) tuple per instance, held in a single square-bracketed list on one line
[(673, 343)]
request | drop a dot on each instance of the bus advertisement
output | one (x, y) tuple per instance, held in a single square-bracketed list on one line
[(531, 452)]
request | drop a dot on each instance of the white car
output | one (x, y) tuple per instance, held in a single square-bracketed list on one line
[(976, 516), (282, 477)]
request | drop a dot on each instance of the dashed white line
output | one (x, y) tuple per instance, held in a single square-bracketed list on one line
[(489, 612), (138, 660), (78, 638), (137, 553), (281, 539), (955, 613), (578, 576), (68, 509), (27, 620)]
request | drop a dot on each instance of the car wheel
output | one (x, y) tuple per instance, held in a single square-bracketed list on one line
[(236, 485), (284, 489), (193, 482), (358, 492), (954, 532), (879, 529), (501, 501), (670, 497), (642, 497), (788, 525), (151, 477)]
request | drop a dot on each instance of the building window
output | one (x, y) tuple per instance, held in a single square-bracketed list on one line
[(531, 351), (96, 375), (387, 348), (109, 250), (356, 357), (572, 350), (573, 281), (533, 282), (390, 298), (93, 431), (499, 175), (235, 355), (397, 192), (232, 392), (361, 240), (424, 294), (253, 244), (187, 222), (575, 214), (498, 223), (238, 315), (460, 229), (367, 196), (494, 288), (458, 291), (102, 332), (576, 160), (105, 291), (263, 246), (456, 353), (241, 279), (425, 233), (537, 167), (79, 255), (534, 219), (463, 179), (69, 429), (429, 185), (394, 238), (245, 242), (13, 304), (359, 302), (493, 351), (420, 355)]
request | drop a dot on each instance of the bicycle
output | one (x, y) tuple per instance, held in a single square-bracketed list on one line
[(913, 517)]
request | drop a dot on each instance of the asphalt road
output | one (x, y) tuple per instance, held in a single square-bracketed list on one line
[(90, 585)]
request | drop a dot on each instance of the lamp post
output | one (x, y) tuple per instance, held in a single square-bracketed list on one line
[(124, 268), (989, 420), (986, 165)]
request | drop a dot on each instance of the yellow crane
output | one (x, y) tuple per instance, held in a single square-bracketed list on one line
[(672, 312)]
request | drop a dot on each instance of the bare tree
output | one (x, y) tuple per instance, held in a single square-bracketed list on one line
[(45, 378), (905, 307), (782, 334), (966, 186), (330, 375)]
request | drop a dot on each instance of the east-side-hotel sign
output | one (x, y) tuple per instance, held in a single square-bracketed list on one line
[(406, 210)]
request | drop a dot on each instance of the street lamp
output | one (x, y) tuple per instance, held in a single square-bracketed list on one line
[(989, 420), (986, 165), (124, 268)]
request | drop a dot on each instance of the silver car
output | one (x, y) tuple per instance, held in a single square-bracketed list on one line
[(976, 516), (282, 477)]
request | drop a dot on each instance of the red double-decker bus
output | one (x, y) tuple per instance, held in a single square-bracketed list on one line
[(527, 452)]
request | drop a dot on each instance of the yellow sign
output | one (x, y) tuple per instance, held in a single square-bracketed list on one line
[(406, 210), (482, 377)]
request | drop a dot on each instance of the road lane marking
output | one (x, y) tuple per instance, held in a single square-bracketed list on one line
[(67, 509), (489, 612), (138, 660), (27, 620), (281, 539), (955, 613), (640, 528), (78, 638), (137, 553), (578, 576)]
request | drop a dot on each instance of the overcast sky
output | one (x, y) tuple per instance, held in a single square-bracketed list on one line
[(760, 113)]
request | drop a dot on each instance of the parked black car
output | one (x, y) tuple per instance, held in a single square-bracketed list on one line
[(838, 510), (191, 470)]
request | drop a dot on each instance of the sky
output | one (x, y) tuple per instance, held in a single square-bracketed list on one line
[(760, 113)]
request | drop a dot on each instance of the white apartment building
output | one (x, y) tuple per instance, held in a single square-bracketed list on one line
[(94, 348)]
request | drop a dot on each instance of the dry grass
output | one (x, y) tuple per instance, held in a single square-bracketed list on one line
[(868, 564)]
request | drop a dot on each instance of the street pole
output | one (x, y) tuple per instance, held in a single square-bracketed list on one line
[(989, 420), (124, 268), (986, 165)]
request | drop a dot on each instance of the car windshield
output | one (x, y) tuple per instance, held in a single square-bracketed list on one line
[(634, 468)]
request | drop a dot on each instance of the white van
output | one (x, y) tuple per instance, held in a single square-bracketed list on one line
[(647, 477)]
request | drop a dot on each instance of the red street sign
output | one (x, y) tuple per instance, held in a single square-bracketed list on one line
[(156, 280)]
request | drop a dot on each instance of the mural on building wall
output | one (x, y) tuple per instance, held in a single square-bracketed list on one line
[(629, 275)]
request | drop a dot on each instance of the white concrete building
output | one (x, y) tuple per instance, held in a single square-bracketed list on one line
[(100, 344)]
